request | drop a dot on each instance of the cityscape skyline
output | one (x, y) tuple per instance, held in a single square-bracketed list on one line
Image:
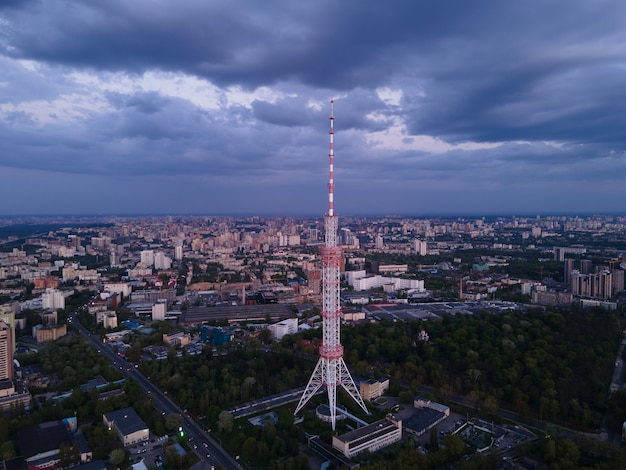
[(215, 109)]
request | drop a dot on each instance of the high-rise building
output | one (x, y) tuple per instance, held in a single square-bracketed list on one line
[(162, 261), (178, 252), (618, 280), (331, 370), (421, 247), (593, 286), (147, 257), (568, 267), (585, 266), (52, 299), (379, 243), (315, 281), (6, 351)]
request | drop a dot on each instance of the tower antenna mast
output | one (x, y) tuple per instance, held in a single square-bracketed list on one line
[(331, 369)]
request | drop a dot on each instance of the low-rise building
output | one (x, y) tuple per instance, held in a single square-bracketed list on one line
[(285, 327), (128, 425), (41, 445), (180, 338), (47, 334), (369, 438), (371, 389)]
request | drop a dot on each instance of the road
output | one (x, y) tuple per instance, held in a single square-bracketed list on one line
[(206, 449)]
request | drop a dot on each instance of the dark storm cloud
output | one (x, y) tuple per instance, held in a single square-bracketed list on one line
[(491, 71), (541, 80)]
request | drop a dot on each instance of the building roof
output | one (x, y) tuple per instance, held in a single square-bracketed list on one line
[(94, 465), (126, 420), (369, 432), (423, 419), (42, 438), (140, 465)]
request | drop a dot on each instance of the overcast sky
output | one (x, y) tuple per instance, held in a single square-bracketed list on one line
[(221, 107)]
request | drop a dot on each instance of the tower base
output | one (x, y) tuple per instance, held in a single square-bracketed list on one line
[(331, 372)]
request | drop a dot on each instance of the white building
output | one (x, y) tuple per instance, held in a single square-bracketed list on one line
[(285, 327), (178, 252), (52, 299), (379, 243), (360, 281), (122, 288), (369, 438), (147, 257), (421, 247), (109, 320), (159, 310), (162, 261)]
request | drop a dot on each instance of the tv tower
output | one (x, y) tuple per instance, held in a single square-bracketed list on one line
[(331, 369)]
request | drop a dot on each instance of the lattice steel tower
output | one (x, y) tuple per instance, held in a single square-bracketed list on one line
[(331, 369)]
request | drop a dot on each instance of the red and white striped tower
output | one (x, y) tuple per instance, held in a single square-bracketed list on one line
[(331, 369)]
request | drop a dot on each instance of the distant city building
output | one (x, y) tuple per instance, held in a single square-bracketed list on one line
[(315, 281), (52, 299), (147, 257), (47, 334), (47, 282), (421, 247), (285, 327), (392, 268), (586, 266), (6, 351), (175, 339), (568, 267), (159, 309), (360, 281), (114, 258), (153, 295), (10, 395), (592, 286), (379, 244), (122, 288), (109, 320), (162, 261), (560, 299), (178, 252), (214, 335), (352, 314), (618, 280)]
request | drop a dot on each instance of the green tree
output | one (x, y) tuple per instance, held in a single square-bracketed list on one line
[(117, 456), (7, 450), (173, 421), (225, 422), (405, 396), (249, 449), (65, 455)]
